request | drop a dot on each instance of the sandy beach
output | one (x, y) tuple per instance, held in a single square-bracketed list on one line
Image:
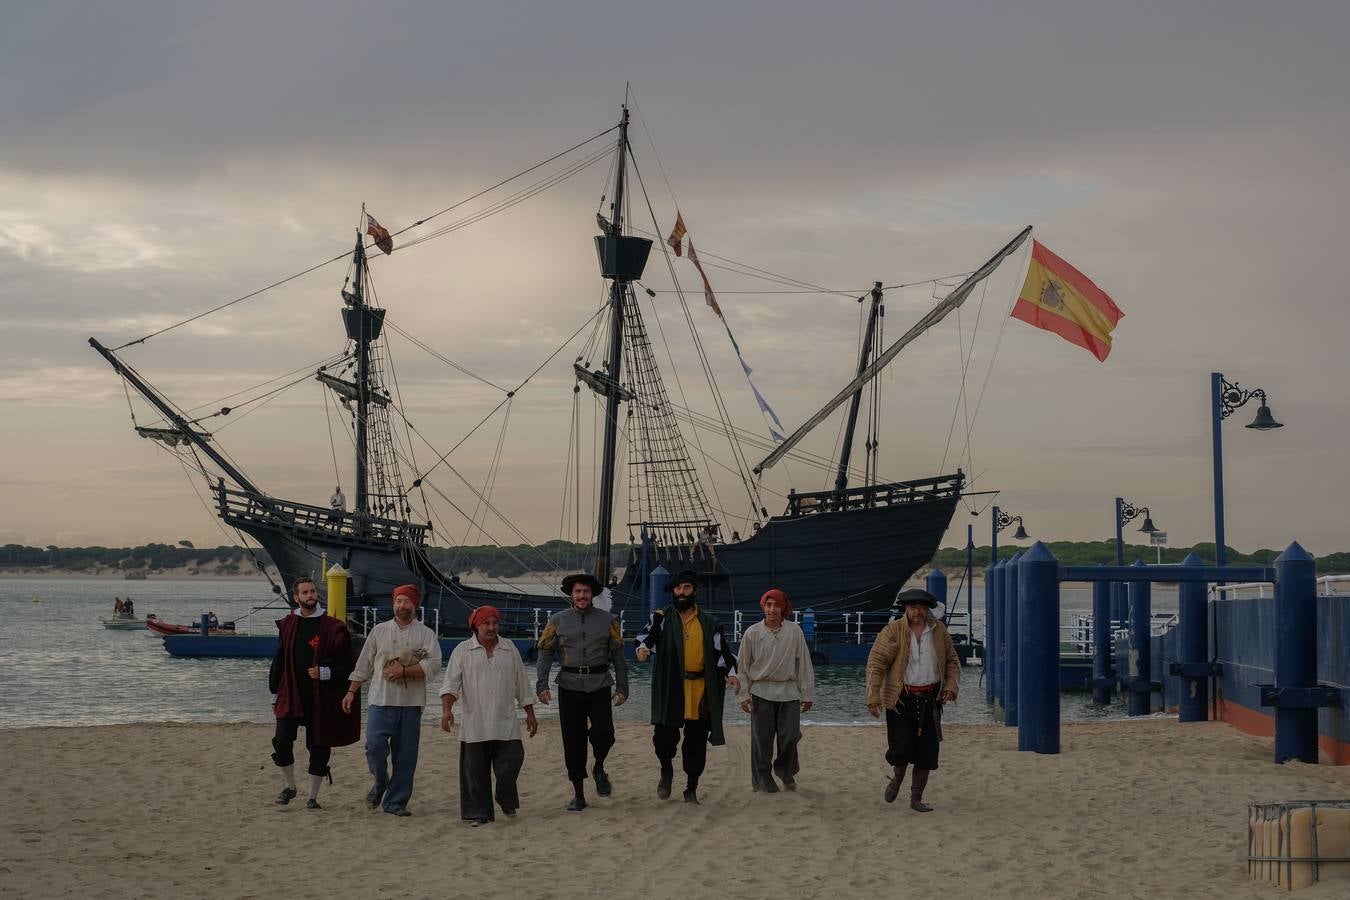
[(1137, 809)]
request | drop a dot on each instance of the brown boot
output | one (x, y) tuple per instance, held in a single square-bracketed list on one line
[(916, 790), (893, 786)]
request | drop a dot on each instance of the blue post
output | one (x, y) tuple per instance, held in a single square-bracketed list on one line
[(656, 588), (1038, 681), (1120, 618), (1120, 605), (970, 587), (993, 535), (1216, 407), (1193, 646), (206, 629), (995, 650), (1101, 642), (1011, 640), (936, 584), (1295, 652), (1139, 674), (1120, 533), (988, 654)]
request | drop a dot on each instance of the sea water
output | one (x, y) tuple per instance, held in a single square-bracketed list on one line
[(63, 668)]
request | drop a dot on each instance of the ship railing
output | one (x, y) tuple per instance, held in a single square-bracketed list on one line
[(872, 495), (1326, 588), (246, 507), (370, 616)]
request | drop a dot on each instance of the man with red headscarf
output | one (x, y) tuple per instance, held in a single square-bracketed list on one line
[(487, 674), (406, 654), (775, 665)]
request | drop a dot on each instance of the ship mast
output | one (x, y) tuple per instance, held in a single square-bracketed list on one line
[(363, 324), (618, 290), (841, 479)]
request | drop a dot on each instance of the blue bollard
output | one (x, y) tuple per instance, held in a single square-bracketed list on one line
[(1101, 642), (936, 584), (986, 654), (1011, 640), (1038, 681), (206, 629), (1120, 606), (656, 588), (1139, 673), (1193, 646), (1295, 652), (994, 588)]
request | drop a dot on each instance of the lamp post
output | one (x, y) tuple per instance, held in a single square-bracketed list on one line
[(1226, 398), (1001, 521), (1127, 512)]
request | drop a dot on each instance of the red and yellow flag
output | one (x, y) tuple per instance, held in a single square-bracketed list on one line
[(1059, 298)]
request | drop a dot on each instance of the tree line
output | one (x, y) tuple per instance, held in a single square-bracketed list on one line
[(524, 559)]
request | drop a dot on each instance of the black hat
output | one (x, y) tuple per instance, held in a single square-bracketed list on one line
[(684, 576), (582, 578), (915, 595)]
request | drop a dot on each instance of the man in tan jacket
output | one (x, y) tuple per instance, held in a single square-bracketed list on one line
[(912, 670)]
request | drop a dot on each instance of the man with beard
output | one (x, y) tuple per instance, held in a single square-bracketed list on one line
[(780, 685), (487, 673), (588, 642), (912, 670), (693, 666), (407, 655), (313, 659)]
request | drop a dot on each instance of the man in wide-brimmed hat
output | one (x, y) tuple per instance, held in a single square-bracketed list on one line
[(780, 684), (589, 644), (912, 670), (406, 655), (693, 666)]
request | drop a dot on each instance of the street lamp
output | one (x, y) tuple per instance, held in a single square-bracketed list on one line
[(1127, 512), (1226, 398), (1001, 521)]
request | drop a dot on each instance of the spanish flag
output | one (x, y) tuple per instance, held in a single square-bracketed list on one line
[(1059, 298)]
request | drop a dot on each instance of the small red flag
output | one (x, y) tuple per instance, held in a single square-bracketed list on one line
[(677, 234), (380, 234)]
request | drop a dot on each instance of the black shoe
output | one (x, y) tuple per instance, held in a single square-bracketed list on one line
[(663, 786), (312, 804), (397, 810), (691, 795), (481, 820), (789, 785), (373, 798), (508, 812), (920, 806), (603, 787), (770, 787), (286, 796), (892, 790), (577, 804)]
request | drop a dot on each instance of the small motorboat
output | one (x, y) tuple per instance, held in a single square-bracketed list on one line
[(124, 623), (158, 626)]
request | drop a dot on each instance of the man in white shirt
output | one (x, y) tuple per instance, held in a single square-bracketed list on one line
[(912, 670), (488, 675), (775, 666), (406, 654), (338, 504)]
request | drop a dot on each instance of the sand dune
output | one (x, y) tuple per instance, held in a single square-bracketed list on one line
[(1137, 809)]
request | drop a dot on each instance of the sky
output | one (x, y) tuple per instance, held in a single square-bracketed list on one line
[(160, 159)]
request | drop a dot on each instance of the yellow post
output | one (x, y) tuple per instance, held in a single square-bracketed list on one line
[(337, 593)]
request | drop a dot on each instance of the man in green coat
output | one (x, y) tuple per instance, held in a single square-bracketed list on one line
[(693, 665)]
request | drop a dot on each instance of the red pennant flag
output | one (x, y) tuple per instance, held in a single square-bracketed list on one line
[(708, 294), (380, 234), (677, 235)]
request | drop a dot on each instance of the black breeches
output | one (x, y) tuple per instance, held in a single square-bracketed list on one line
[(585, 716), (283, 746), (665, 738)]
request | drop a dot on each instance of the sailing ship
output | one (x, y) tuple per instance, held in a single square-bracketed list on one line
[(849, 547)]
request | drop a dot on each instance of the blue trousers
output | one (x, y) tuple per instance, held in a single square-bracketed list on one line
[(397, 729)]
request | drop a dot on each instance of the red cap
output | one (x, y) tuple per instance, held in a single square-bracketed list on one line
[(482, 613), (782, 598), (410, 591)]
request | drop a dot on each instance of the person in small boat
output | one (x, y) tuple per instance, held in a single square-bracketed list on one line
[(912, 670), (693, 666), (587, 642), (780, 685), (487, 674), (407, 656), (313, 659), (118, 606), (212, 621), (128, 608)]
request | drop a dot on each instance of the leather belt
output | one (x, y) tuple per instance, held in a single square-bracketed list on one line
[(586, 670), (694, 675), (918, 688)]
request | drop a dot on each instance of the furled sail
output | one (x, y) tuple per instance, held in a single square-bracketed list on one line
[(347, 390), (934, 316)]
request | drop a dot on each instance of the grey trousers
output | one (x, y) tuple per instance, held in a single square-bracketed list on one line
[(478, 763), (773, 723)]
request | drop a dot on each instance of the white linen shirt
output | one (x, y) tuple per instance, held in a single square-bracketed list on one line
[(922, 667), (385, 642), (488, 690)]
